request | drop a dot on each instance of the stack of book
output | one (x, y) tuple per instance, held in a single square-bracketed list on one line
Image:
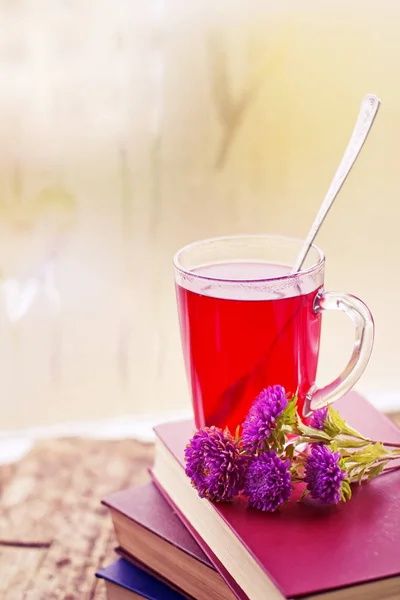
[(175, 545)]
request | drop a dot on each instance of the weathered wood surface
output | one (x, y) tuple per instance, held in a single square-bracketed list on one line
[(54, 534)]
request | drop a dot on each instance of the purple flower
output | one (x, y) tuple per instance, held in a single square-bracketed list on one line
[(267, 482), (317, 419), (323, 474), (261, 420), (214, 464)]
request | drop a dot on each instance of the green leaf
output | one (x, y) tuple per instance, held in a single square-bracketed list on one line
[(289, 451), (335, 425), (344, 442), (313, 434), (345, 453), (333, 446), (289, 415), (304, 494), (237, 433), (347, 430), (333, 422), (376, 450), (346, 490), (361, 475), (376, 470), (367, 455)]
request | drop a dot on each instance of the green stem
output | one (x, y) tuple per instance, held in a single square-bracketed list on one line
[(364, 439), (311, 440), (389, 444), (388, 470), (384, 458)]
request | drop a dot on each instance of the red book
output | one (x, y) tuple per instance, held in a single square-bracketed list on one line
[(152, 537), (347, 551)]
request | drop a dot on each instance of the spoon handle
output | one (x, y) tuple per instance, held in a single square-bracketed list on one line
[(366, 116)]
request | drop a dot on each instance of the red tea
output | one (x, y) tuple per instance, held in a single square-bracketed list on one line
[(237, 342)]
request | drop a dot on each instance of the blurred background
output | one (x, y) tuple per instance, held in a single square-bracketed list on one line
[(128, 129)]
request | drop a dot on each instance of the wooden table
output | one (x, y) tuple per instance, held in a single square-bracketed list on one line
[(54, 533)]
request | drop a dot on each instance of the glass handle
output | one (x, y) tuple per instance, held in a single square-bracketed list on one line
[(361, 316)]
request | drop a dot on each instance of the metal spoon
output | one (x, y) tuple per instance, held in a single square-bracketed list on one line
[(366, 116)]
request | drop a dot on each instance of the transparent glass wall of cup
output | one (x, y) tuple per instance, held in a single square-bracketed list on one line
[(247, 322)]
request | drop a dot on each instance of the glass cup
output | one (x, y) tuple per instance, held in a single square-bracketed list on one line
[(247, 322)]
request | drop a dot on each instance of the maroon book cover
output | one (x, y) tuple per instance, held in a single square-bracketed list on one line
[(145, 505), (307, 548), (215, 561)]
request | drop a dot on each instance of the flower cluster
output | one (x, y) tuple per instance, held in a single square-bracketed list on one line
[(323, 475), (277, 451), (261, 423), (214, 464), (267, 482)]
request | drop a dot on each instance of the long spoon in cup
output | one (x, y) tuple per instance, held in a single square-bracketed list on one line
[(366, 116)]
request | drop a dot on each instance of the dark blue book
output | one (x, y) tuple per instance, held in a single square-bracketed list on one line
[(124, 581)]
